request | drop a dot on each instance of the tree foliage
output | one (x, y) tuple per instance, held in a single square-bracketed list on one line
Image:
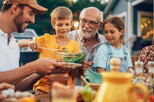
[(1, 3), (42, 22)]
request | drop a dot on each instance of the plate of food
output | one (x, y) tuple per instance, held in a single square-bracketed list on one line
[(70, 59), (72, 65), (17, 96)]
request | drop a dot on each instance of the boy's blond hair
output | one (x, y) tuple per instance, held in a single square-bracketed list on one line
[(61, 13)]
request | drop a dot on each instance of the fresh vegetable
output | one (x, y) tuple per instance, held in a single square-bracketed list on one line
[(64, 49), (87, 94), (74, 58), (151, 98)]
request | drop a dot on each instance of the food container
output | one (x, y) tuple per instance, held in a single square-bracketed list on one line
[(61, 78), (92, 85), (70, 59)]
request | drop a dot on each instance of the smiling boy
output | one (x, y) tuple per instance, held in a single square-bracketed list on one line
[(61, 20)]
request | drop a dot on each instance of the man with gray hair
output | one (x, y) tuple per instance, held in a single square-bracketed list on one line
[(91, 20)]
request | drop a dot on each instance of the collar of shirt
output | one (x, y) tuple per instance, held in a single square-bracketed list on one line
[(5, 34), (1, 32)]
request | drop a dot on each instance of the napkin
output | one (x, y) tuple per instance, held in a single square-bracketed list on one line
[(93, 77)]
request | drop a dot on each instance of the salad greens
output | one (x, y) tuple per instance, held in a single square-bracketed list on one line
[(74, 58)]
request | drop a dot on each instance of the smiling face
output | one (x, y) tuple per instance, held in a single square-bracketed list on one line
[(89, 23), (62, 27), (112, 34), (24, 18)]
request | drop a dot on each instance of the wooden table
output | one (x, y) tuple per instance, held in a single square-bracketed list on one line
[(42, 98)]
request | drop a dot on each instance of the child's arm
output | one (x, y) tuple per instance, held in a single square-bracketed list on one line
[(99, 70), (28, 43), (24, 42), (128, 70), (34, 45)]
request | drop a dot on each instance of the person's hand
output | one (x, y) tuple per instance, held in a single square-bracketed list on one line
[(61, 70), (86, 65), (44, 66), (34, 45), (4, 86), (77, 72)]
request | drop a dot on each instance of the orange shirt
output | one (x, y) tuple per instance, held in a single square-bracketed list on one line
[(49, 41)]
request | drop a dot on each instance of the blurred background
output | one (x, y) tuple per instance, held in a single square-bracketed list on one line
[(137, 15), (43, 24)]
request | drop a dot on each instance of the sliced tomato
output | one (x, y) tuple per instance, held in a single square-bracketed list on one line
[(151, 98)]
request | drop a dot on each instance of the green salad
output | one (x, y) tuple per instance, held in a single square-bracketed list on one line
[(74, 58)]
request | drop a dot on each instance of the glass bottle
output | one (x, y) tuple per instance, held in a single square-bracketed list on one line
[(151, 67), (138, 67), (138, 71), (150, 80), (149, 84)]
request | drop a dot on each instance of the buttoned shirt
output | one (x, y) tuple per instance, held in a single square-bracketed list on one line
[(9, 53), (74, 35)]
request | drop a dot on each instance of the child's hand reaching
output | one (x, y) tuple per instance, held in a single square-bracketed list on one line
[(34, 45)]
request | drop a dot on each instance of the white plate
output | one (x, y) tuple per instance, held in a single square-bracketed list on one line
[(72, 65)]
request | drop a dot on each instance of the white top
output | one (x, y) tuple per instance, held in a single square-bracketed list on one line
[(9, 53)]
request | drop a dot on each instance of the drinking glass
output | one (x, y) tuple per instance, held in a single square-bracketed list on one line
[(64, 95), (138, 67), (62, 78), (150, 80), (151, 66)]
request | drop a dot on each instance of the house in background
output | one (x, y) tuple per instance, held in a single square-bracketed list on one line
[(27, 34), (138, 18)]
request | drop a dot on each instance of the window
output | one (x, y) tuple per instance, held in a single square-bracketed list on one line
[(145, 25)]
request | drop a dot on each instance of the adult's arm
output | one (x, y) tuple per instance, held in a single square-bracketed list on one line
[(15, 75), (28, 82), (42, 67), (87, 65)]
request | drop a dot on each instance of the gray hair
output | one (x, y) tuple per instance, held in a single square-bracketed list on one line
[(83, 11)]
